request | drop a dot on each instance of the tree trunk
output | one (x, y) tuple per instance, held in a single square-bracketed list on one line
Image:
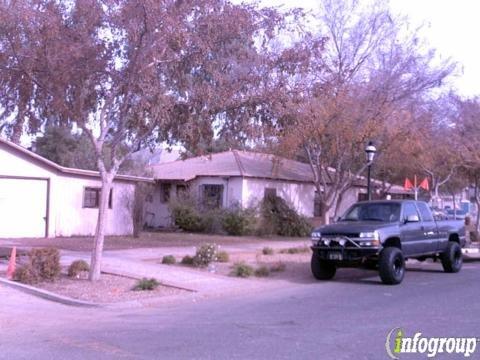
[(338, 204), (96, 259), (477, 222), (325, 217)]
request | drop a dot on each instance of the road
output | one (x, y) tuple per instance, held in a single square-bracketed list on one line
[(344, 319)]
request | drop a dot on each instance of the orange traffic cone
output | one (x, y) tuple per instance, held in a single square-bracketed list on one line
[(11, 263)]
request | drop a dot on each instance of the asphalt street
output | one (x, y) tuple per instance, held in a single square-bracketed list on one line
[(348, 318)]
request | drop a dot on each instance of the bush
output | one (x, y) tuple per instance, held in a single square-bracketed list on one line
[(187, 260), (267, 251), (223, 257), (238, 221), (45, 263), (169, 260), (278, 267), (26, 275), (77, 267), (278, 218), (242, 270), (205, 254), (262, 271), (146, 284), (295, 250), (187, 218)]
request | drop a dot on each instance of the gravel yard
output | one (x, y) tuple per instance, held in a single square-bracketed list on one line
[(109, 289)]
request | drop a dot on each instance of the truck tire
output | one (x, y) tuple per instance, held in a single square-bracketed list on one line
[(452, 259), (322, 269), (391, 266)]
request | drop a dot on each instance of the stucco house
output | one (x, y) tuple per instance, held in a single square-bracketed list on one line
[(39, 198), (237, 178)]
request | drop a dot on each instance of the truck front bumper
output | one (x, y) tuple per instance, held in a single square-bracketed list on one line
[(345, 254)]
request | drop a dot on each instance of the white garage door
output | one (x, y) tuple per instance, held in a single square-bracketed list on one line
[(23, 207)]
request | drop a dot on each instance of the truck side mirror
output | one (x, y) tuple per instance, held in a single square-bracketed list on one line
[(412, 218)]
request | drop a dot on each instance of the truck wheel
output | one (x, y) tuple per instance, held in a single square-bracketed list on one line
[(452, 259), (322, 269), (391, 266)]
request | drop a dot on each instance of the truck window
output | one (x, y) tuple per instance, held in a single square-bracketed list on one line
[(409, 209), (425, 212)]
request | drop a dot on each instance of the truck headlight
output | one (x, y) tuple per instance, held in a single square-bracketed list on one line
[(316, 237), (370, 235)]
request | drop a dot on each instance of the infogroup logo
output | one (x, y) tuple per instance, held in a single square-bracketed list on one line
[(397, 343)]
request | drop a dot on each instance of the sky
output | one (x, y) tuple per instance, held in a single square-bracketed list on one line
[(452, 27)]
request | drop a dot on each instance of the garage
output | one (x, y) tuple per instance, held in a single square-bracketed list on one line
[(23, 207)]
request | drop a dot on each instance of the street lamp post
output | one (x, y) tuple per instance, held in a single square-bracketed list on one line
[(370, 151)]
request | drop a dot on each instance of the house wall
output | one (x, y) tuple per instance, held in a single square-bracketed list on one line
[(299, 196), (232, 188), (157, 213), (66, 215), (72, 218)]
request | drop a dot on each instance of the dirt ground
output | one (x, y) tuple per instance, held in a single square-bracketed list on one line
[(109, 289), (146, 240)]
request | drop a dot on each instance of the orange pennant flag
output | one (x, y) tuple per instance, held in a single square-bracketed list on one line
[(424, 184), (408, 184)]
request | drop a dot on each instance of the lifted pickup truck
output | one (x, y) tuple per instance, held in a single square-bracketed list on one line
[(383, 235)]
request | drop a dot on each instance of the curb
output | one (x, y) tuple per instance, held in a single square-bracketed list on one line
[(47, 295), (136, 277)]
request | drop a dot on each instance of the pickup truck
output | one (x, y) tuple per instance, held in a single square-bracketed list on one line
[(383, 235)]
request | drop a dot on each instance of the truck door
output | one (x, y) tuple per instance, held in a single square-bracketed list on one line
[(430, 230), (411, 229)]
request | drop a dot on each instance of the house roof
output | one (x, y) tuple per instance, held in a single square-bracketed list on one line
[(244, 164), (235, 163), (64, 170)]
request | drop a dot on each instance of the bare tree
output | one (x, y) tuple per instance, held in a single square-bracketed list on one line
[(372, 71), (130, 73)]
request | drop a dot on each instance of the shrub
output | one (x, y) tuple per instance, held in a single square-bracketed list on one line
[(295, 250), (223, 257), (262, 271), (267, 251), (205, 255), (187, 260), (45, 263), (169, 260), (187, 218), (146, 284), (238, 221), (26, 275), (242, 270), (281, 220), (77, 267), (278, 267)]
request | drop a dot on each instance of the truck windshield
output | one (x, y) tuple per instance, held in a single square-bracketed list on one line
[(384, 212)]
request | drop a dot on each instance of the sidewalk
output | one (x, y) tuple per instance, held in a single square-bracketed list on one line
[(134, 263)]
